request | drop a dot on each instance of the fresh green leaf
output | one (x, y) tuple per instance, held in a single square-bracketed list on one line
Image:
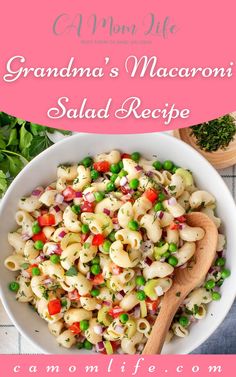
[(2, 144), (20, 121), (25, 139), (39, 144), (36, 129), (15, 165), (12, 138), (3, 182)]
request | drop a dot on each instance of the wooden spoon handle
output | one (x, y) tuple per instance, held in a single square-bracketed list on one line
[(169, 306)]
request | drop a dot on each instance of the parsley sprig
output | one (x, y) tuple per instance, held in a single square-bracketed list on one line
[(20, 142)]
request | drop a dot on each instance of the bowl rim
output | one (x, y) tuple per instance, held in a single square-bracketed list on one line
[(197, 342)]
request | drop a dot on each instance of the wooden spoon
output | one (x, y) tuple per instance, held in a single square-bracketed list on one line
[(185, 280)]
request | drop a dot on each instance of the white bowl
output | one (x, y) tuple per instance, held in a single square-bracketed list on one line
[(42, 170)]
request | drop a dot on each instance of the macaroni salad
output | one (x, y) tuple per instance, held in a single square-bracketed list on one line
[(95, 251)]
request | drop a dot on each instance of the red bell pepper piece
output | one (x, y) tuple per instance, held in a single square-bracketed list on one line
[(151, 195), (98, 240), (54, 306), (75, 328), (39, 237), (102, 166), (46, 220)]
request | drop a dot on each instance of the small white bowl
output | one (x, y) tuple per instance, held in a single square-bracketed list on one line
[(42, 170)]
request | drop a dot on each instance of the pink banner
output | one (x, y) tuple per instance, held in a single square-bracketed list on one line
[(140, 366), (115, 67)]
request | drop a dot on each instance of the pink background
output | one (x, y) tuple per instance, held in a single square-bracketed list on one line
[(169, 366), (205, 37)]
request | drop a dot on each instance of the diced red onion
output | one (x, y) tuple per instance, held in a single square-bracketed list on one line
[(137, 311), (220, 253), (119, 329), (37, 192), (48, 281), (119, 296), (172, 201), (182, 226), (165, 191), (26, 236), (100, 347), (152, 312), (106, 211), (59, 199), (192, 319), (138, 168), (62, 234), (123, 181), (52, 249), (106, 303), (149, 174), (25, 274), (78, 194), (160, 214), (57, 209), (148, 261), (98, 329), (40, 258), (90, 197), (89, 275), (116, 226)]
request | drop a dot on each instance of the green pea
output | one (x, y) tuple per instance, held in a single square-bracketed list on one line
[(79, 346), (115, 168), (36, 228), (87, 345), (220, 262), (94, 175), (140, 280), (225, 273), (76, 209), (141, 296), (64, 302), (111, 236), (172, 247), (35, 271), (38, 245), (157, 165), (113, 178), (135, 156), (121, 165), (95, 292), (87, 162), (183, 321), (161, 197), (110, 187), (133, 225), (84, 228), (99, 196), (168, 165), (84, 325), (122, 173), (173, 170), (14, 286), (134, 183), (158, 207), (95, 260), (95, 269), (216, 296), (123, 318), (210, 284), (106, 246), (55, 258), (166, 254), (173, 261)]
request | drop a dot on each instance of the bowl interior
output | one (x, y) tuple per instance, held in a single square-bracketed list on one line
[(42, 170)]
